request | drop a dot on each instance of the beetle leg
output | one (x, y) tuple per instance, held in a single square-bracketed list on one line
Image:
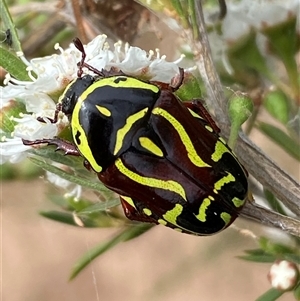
[(66, 146), (132, 213), (55, 118), (197, 107)]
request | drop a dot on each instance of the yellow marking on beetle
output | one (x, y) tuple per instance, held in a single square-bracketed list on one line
[(211, 197), (104, 111), (162, 221), (149, 145), (225, 180), (222, 140), (192, 154), (121, 133), (209, 128), (194, 114), (178, 230), (62, 96), (226, 217), (80, 138), (238, 202), (220, 149), (119, 82), (128, 200), (151, 182), (201, 216), (147, 211), (171, 215)]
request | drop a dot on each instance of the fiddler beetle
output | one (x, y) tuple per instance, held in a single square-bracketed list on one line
[(164, 157)]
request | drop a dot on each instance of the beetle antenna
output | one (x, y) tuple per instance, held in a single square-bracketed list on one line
[(78, 44)]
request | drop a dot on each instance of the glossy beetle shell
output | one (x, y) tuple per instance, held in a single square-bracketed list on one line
[(163, 158)]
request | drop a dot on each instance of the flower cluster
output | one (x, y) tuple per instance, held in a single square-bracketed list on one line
[(245, 17), (259, 14), (50, 75)]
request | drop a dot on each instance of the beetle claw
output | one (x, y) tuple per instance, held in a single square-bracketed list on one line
[(66, 146)]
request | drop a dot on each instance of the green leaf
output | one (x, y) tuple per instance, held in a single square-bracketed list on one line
[(82, 206), (270, 252), (7, 172), (273, 202), (244, 55), (297, 291), (274, 248), (281, 138), (58, 200), (264, 258), (100, 220), (276, 103), (78, 204), (48, 152), (13, 65), (292, 257), (255, 252), (7, 124), (72, 178), (99, 207), (271, 295), (125, 235), (9, 24), (283, 41), (66, 218)]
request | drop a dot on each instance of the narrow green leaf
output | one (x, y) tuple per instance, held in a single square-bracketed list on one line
[(58, 200), (255, 252), (281, 138), (13, 65), (9, 24), (192, 18), (177, 5), (72, 178), (99, 207), (297, 292), (270, 295), (273, 202), (7, 172), (266, 258), (277, 104), (78, 204), (292, 257), (125, 235), (283, 41), (49, 152), (181, 11), (7, 124), (66, 218), (271, 247), (244, 54)]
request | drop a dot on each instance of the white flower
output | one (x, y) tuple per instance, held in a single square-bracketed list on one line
[(51, 74), (283, 275), (74, 190), (12, 150), (244, 16)]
